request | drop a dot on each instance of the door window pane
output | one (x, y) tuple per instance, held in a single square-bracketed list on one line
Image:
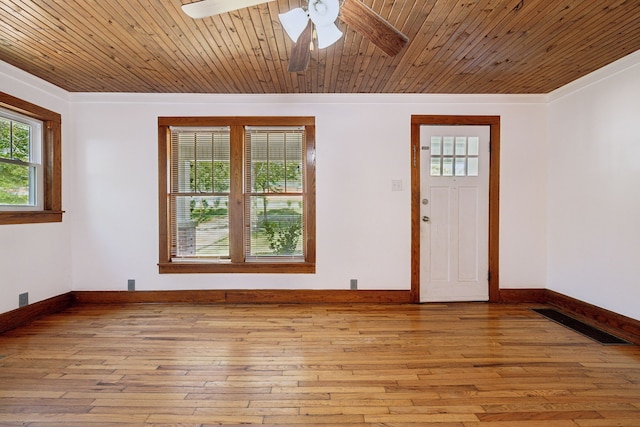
[(461, 145), (447, 166), (474, 143), (436, 169), (472, 166), (460, 166), (447, 146), (436, 145), (454, 156)]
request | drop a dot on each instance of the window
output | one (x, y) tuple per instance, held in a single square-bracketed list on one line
[(454, 156), (237, 194), (30, 163)]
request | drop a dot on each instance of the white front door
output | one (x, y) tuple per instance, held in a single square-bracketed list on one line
[(454, 210)]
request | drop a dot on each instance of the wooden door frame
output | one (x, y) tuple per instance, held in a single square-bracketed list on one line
[(494, 195)]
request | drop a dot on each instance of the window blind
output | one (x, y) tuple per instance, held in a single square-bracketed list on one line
[(199, 192), (274, 171)]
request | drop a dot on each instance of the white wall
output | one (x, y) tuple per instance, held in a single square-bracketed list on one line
[(363, 228), (594, 202), (109, 232), (569, 204), (36, 258)]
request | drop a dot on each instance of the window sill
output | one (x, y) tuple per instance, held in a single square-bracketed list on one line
[(30, 217), (258, 267)]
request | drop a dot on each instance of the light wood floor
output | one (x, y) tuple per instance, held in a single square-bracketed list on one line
[(340, 365)]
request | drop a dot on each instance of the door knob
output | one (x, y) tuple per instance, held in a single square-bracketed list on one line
[(426, 219)]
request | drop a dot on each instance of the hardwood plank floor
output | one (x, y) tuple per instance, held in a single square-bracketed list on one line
[(305, 365)]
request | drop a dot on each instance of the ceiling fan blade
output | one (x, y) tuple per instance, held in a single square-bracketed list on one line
[(374, 27), (301, 52), (327, 35), (204, 8), (294, 22)]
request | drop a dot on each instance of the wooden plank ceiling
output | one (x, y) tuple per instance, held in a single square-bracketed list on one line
[(456, 46)]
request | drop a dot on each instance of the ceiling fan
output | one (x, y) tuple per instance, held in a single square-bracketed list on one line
[(316, 21)]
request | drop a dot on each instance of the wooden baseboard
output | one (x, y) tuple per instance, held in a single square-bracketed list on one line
[(23, 315), (617, 324), (523, 296), (149, 297), (260, 296)]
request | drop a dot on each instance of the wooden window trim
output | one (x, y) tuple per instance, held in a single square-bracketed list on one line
[(51, 163), (167, 265)]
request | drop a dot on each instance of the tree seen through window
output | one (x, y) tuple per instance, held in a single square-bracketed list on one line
[(16, 173)]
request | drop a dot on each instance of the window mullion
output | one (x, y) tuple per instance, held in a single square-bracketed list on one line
[(236, 197)]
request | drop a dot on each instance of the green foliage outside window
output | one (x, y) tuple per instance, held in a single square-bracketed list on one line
[(207, 177), (281, 227), (14, 176), (283, 233)]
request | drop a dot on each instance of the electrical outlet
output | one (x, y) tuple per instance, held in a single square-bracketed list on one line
[(131, 284), (23, 299), (354, 284)]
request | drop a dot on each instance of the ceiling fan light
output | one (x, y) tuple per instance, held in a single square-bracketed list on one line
[(327, 35), (294, 22), (204, 8), (323, 12)]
